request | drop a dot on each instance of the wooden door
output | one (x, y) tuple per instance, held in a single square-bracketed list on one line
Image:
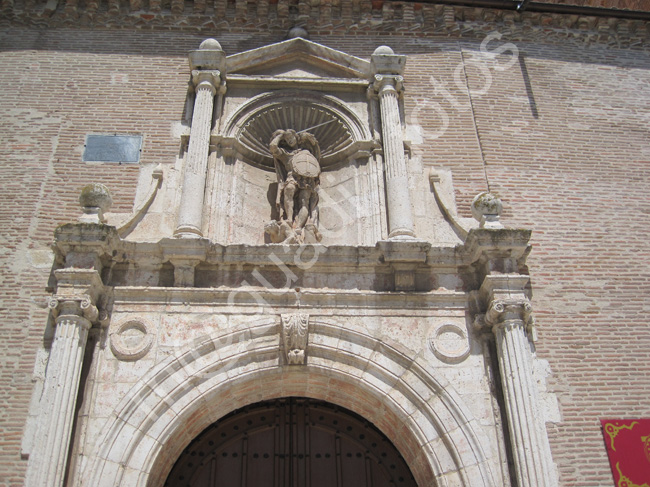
[(291, 442)]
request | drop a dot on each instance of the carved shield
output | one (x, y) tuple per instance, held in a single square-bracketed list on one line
[(305, 164)]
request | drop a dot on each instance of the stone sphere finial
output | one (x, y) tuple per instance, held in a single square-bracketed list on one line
[(487, 208), (296, 32), (210, 44), (385, 50), (94, 199)]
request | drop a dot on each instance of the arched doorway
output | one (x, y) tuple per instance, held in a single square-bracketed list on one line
[(295, 442)]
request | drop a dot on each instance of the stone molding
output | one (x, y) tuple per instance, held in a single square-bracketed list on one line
[(343, 67), (403, 257), (104, 240)]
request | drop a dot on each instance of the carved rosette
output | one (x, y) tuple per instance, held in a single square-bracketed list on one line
[(295, 334)]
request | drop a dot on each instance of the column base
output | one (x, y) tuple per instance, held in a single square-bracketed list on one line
[(401, 234), (188, 231)]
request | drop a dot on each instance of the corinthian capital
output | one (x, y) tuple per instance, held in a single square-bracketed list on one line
[(75, 305)]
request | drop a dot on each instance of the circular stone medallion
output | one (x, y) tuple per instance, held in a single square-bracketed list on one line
[(449, 342), (130, 340)]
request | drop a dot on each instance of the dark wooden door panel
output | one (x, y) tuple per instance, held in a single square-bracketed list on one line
[(291, 442)]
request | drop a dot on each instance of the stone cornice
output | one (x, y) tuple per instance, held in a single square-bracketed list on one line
[(501, 250), (420, 19), (109, 253)]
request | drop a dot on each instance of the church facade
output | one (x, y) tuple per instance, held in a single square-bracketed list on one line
[(322, 243)]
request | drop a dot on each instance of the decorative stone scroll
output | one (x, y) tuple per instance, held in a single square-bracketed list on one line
[(295, 333)]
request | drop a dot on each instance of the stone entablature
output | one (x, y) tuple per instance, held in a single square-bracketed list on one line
[(211, 265)]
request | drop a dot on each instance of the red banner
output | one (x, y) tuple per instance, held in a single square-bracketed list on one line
[(628, 448)]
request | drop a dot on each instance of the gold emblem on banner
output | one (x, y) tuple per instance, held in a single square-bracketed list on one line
[(646, 446), (613, 431), (623, 481)]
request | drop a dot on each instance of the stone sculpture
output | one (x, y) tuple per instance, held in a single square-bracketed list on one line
[(296, 157)]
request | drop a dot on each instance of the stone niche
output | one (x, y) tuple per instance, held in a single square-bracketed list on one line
[(302, 86)]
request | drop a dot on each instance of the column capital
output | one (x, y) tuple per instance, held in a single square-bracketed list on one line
[(506, 300), (388, 82), (73, 306), (500, 312), (208, 78)]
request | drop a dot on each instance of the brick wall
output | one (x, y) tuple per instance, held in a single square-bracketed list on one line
[(561, 136)]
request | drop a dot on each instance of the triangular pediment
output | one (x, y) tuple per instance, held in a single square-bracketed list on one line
[(298, 58)]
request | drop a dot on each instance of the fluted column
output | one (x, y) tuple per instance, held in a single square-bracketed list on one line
[(74, 317), (208, 65), (387, 84), (190, 214), (510, 321)]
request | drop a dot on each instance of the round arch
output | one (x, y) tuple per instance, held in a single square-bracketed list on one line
[(291, 441), (376, 379)]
